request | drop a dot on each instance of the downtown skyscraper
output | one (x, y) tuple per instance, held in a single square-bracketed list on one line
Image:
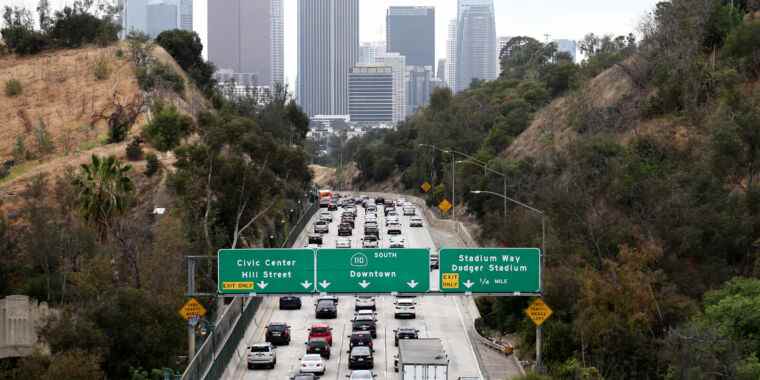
[(328, 47), (245, 40), (410, 31), (476, 42)]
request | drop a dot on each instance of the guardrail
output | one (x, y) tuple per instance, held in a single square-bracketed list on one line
[(215, 353)]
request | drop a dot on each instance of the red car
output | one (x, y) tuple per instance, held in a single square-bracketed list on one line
[(321, 330)]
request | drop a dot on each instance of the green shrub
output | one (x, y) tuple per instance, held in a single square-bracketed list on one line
[(118, 127), (74, 27), (742, 44), (119, 53), (134, 150), (102, 69), (20, 153), (24, 40), (13, 87), (152, 164), (167, 128), (158, 75), (42, 138)]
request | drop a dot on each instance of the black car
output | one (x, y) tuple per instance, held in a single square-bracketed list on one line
[(278, 333), (361, 358), (318, 346), (315, 239), (348, 220), (332, 206), (324, 203), (290, 303), (360, 338), (405, 333), (371, 229), (365, 323), (304, 376), (345, 229), (379, 201), (326, 309), (389, 203)]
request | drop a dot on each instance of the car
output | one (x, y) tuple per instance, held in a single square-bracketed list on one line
[(321, 227), (351, 222), (371, 229), (369, 218), (326, 310), (324, 202), (360, 338), (415, 221), (261, 354), (345, 229), (361, 374), (342, 242), (370, 241), (404, 307), (277, 333), (321, 331), (393, 229), (396, 242), (366, 312), (409, 211), (364, 303), (371, 209), (332, 206), (315, 239), (379, 201), (405, 333), (304, 376), (389, 203), (389, 211), (333, 299), (391, 219), (290, 303), (361, 357), (312, 363), (365, 323), (318, 346), (326, 216)]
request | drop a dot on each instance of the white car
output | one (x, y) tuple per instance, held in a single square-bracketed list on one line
[(312, 363), (393, 229), (404, 307), (326, 216), (409, 211), (415, 221), (396, 242), (368, 312), (342, 242), (261, 354), (391, 219), (370, 218), (370, 241)]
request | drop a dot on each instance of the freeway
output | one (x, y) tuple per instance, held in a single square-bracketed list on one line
[(437, 317)]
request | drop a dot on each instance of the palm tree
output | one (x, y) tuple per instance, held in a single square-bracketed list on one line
[(104, 192)]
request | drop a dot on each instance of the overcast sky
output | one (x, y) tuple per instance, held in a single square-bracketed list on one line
[(535, 18)]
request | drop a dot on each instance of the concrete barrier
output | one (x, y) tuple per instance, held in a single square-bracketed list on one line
[(20, 317)]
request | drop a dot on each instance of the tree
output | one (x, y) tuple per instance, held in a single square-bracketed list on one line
[(167, 128), (183, 45), (105, 192)]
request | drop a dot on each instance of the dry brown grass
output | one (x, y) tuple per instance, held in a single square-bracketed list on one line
[(61, 89)]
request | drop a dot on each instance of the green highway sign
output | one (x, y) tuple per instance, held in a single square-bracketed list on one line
[(265, 271), (383, 270), (490, 270)]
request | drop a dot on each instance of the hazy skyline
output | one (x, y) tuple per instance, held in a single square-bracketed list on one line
[(560, 19)]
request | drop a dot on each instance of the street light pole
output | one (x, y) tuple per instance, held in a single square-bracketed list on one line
[(539, 330)]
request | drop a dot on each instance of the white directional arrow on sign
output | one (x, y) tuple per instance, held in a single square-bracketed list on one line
[(364, 284), (263, 285), (468, 284), (324, 284), (306, 284), (412, 284)]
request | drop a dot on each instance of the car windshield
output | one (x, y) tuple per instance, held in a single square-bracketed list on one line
[(360, 351), (317, 343), (319, 330), (364, 317), (312, 358), (325, 304), (259, 348), (274, 327)]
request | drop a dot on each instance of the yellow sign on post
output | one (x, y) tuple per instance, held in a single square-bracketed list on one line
[(426, 186), (538, 311), (445, 205), (192, 308)]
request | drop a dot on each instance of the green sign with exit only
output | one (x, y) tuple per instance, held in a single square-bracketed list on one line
[(490, 270), (265, 271)]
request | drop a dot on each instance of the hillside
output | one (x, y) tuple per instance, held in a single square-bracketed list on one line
[(61, 91)]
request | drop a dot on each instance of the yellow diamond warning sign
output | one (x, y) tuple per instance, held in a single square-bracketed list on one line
[(450, 281), (425, 187), (192, 308), (538, 311), (445, 205)]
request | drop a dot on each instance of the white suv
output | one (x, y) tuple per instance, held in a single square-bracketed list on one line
[(261, 354), (404, 307)]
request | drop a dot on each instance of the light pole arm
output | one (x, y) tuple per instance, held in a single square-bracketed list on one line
[(509, 199)]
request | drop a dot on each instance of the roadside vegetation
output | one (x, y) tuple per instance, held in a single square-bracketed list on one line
[(86, 239), (652, 199)]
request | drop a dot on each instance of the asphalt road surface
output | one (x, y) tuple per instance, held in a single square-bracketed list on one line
[(437, 317)]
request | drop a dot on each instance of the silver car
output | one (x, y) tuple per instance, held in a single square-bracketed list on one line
[(261, 354)]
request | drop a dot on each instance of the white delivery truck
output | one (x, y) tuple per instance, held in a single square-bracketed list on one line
[(422, 359)]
